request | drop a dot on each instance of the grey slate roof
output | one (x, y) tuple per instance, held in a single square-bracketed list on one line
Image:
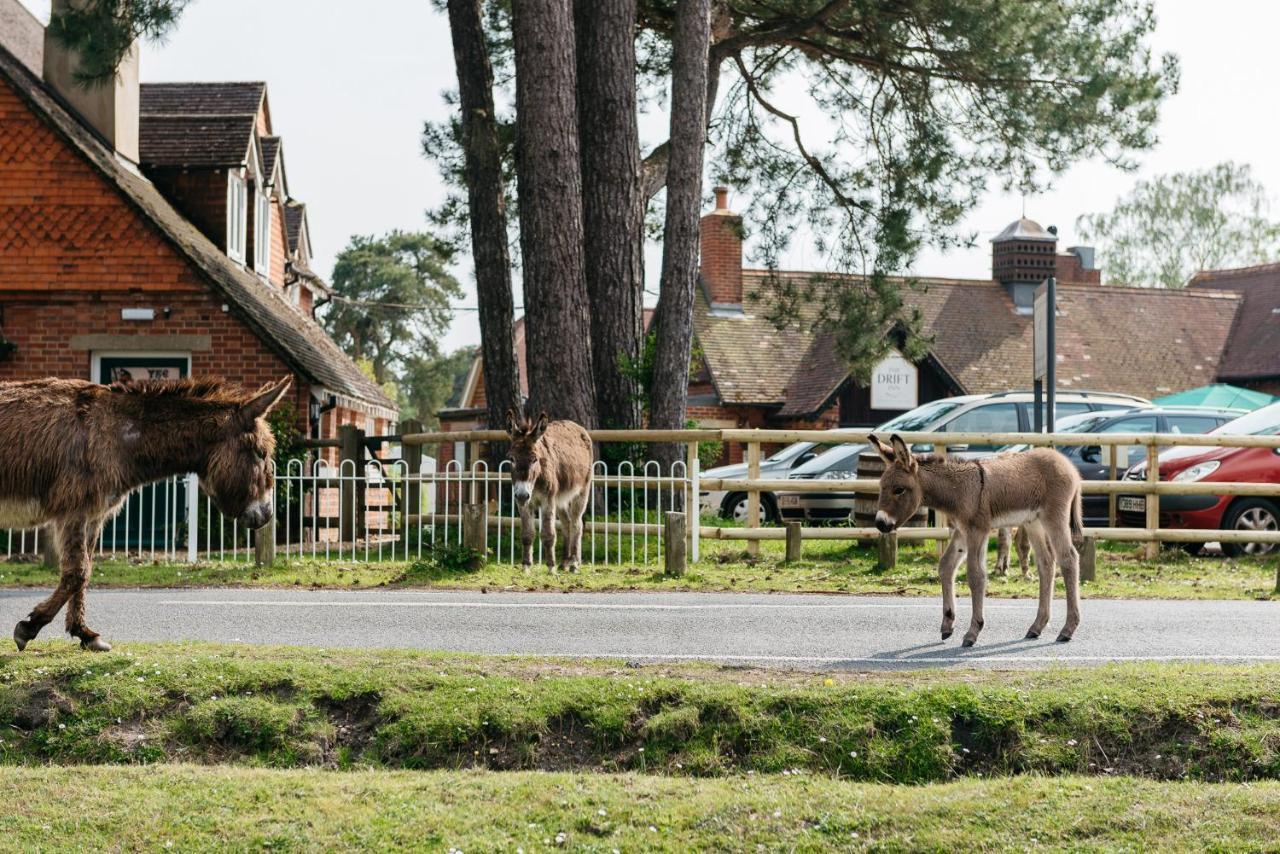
[(296, 338), (197, 124), (207, 99)]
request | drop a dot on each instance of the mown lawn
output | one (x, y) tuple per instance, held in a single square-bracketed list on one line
[(827, 567), (284, 707), (184, 808)]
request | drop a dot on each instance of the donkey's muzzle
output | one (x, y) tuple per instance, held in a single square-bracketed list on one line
[(257, 515), (883, 523)]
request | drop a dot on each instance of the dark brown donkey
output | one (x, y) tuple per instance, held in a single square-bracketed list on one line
[(551, 469), (72, 451)]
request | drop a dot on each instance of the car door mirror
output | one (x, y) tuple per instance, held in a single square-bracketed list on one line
[(1091, 454)]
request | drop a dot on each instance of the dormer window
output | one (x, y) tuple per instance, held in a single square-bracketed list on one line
[(237, 216), (262, 234)]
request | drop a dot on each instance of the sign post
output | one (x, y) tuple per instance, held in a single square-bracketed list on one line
[(1044, 367)]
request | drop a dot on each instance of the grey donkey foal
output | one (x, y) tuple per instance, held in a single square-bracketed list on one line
[(1038, 490), (550, 470)]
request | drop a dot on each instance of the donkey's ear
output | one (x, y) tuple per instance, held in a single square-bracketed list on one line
[(902, 452), (513, 423), (262, 403), (541, 426), (886, 453)]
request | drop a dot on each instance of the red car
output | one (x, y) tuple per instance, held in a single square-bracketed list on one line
[(1226, 512)]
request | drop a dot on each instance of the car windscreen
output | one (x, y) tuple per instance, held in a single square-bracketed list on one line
[(920, 418), (1260, 422), (790, 452)]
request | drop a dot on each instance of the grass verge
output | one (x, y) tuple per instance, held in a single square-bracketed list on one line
[(199, 808), (828, 566), (289, 707)]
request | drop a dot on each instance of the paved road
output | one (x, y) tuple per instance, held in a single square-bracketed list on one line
[(809, 631)]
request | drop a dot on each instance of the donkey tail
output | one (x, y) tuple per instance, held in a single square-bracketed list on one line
[(1077, 516)]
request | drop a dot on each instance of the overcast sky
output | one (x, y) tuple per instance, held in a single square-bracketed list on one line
[(349, 91)]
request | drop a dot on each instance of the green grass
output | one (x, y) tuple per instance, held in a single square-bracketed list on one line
[(828, 566), (283, 707), (198, 808)]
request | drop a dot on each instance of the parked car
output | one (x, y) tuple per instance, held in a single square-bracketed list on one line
[(1200, 464), (1094, 461), (1003, 412), (733, 505)]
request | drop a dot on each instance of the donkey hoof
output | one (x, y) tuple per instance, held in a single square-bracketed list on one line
[(947, 633), (24, 633), (1064, 637), (95, 645), (969, 642), (1032, 635)]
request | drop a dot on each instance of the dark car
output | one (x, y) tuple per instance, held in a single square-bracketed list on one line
[(1094, 461)]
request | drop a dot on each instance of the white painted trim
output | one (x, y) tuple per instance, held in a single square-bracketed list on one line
[(96, 357), (469, 387)]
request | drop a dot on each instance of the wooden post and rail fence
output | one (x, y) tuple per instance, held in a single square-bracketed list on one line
[(352, 442)]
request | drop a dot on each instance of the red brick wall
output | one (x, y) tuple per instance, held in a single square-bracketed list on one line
[(278, 251), (1070, 271), (201, 196), (720, 237)]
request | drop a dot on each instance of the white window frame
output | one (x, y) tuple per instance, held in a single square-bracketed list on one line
[(96, 357), (237, 216), (262, 234)]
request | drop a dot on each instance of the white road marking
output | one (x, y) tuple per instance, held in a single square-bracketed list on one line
[(854, 659), (576, 606)]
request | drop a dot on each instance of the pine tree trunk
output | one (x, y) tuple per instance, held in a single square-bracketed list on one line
[(486, 211), (669, 388), (549, 174), (613, 211)]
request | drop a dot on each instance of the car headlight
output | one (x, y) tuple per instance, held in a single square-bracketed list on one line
[(838, 475), (1199, 471)]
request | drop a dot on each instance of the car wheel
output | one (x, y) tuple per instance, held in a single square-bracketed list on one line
[(1251, 514), (735, 508)]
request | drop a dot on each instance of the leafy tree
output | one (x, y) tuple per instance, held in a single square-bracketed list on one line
[(103, 31), (390, 294), (1173, 226), (870, 128), (429, 382)]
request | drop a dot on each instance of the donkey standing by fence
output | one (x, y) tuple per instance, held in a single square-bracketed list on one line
[(1038, 490), (550, 470), (72, 451)]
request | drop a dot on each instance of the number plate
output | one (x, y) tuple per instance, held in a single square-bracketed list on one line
[(788, 500), (1132, 504)]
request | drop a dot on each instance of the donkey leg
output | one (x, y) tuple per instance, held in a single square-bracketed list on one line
[(549, 535), (526, 536), (976, 567), (89, 639), (69, 580), (1044, 568), (1023, 544), (1069, 559), (573, 532), (947, 575), (1002, 552)]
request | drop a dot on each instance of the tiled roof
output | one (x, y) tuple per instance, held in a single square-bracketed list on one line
[(1253, 351), (194, 141), (295, 214), (1107, 340), (208, 99), (296, 338), (1025, 229), (197, 124), (270, 149)]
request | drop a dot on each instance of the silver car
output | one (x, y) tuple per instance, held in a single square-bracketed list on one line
[(733, 505), (1004, 412)]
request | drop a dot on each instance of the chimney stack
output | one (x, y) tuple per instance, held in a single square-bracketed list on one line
[(112, 107), (720, 236)]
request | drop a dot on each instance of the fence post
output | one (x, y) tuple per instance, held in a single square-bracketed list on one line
[(475, 530), (1111, 499), (411, 456), (1278, 578), (193, 516), (1089, 559), (793, 542), (887, 550), (674, 557), (351, 507), (264, 544), (48, 547), (753, 495), (693, 471), (1152, 550)]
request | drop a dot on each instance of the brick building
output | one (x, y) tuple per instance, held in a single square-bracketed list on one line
[(148, 230), (1143, 341)]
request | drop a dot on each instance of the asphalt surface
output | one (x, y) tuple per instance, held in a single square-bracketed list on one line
[(806, 631)]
